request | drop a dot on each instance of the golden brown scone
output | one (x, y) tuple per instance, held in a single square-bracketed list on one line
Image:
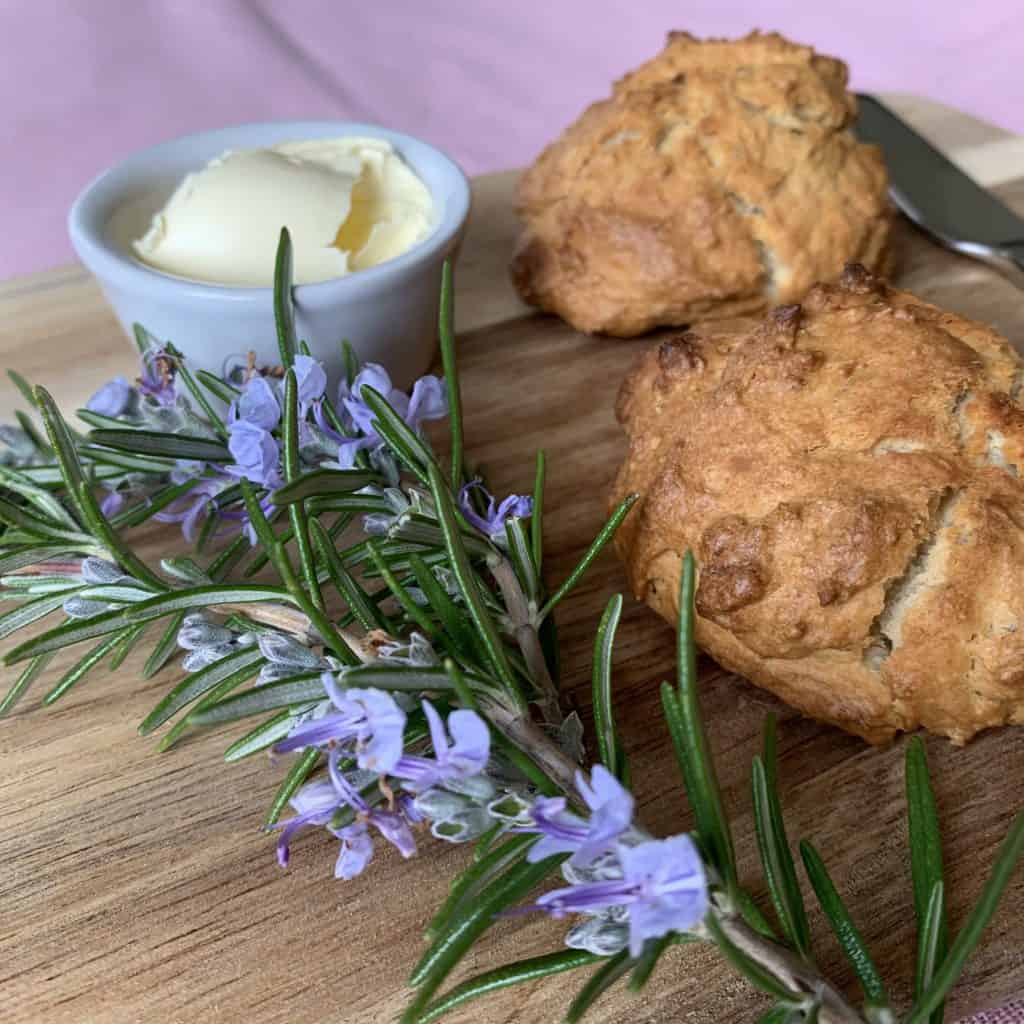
[(719, 179), (847, 473)]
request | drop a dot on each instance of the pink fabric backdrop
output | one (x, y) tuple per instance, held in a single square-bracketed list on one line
[(86, 81)]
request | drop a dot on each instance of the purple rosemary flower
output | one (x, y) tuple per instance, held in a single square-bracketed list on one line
[(310, 379), (316, 803), (112, 503), (112, 399), (157, 380), (429, 401), (492, 522), (368, 720), (256, 453), (663, 888), (611, 806), (465, 756), (257, 405), (193, 507)]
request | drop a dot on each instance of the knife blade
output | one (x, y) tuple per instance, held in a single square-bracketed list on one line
[(940, 198)]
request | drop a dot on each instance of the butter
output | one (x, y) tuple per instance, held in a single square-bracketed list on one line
[(348, 204)]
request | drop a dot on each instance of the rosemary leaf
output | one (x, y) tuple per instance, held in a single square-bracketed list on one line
[(45, 503), (970, 935), (532, 969), (412, 610), (149, 506), (401, 677), (599, 982), (219, 693), (453, 619), (116, 593), (302, 767), (596, 547), (32, 554), (228, 558), (645, 963), (284, 312), (846, 932), (196, 391), (319, 620), (297, 509), (777, 861), (130, 638), (108, 537), (165, 646), (51, 475), (925, 861), (465, 887), (217, 387), (521, 556), (450, 369), (33, 435), (71, 632), (453, 944), (205, 597), (169, 446), (397, 433), (123, 461), (322, 482), (264, 735), (28, 676), (63, 445), (691, 741), (96, 419), (462, 690), (31, 611), (83, 666), (609, 749), (197, 684), (537, 518), (777, 1015), (929, 946), (300, 688), (26, 389), (366, 612)]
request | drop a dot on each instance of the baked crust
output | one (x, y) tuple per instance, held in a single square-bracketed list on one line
[(847, 475), (719, 179)]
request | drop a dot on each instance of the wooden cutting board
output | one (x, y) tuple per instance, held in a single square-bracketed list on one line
[(136, 886)]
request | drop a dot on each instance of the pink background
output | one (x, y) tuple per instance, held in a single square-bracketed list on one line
[(85, 82)]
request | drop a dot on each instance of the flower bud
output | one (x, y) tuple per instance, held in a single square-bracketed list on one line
[(283, 650), (203, 634), (203, 656), (599, 935), (77, 607), (440, 804), (463, 827), (100, 572)]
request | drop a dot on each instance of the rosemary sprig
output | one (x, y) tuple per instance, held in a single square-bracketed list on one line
[(356, 652)]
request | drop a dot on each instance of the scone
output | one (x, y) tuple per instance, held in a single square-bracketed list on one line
[(720, 178), (847, 473)]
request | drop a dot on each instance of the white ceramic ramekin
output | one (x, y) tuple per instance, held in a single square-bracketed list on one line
[(388, 312)]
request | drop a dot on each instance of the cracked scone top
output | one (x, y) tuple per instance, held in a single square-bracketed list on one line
[(847, 473), (720, 178)]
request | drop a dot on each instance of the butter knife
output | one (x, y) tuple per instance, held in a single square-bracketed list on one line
[(939, 198)]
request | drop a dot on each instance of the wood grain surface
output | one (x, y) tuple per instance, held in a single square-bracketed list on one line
[(137, 887)]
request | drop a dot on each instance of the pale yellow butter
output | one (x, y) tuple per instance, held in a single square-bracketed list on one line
[(348, 204)]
